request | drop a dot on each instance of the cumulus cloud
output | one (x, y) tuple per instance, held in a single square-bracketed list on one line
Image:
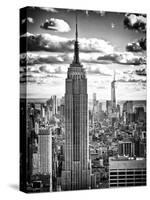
[(35, 58), (54, 24), (97, 70), (137, 46), (125, 58), (52, 69), (27, 20), (32, 59), (135, 22), (53, 43)]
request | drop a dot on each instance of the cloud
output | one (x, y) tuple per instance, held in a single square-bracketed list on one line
[(137, 46), (27, 34), (125, 58), (52, 69), (135, 22), (131, 80), (35, 58), (97, 70), (54, 24), (24, 77), (141, 72), (28, 19), (47, 9), (30, 76), (32, 59), (53, 43)]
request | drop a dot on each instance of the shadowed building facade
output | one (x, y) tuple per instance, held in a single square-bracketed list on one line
[(76, 172)]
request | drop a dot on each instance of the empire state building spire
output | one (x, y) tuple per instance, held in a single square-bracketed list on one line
[(76, 46)]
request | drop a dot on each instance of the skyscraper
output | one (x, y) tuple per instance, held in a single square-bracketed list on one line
[(54, 104), (45, 154), (113, 94), (125, 172), (76, 172)]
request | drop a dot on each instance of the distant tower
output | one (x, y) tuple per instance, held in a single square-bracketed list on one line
[(76, 170), (54, 104), (94, 99), (113, 94), (94, 107)]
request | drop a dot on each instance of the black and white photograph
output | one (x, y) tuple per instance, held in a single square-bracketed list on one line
[(83, 99)]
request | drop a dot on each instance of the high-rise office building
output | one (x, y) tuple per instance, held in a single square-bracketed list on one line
[(54, 104), (126, 148), (125, 172), (45, 153), (76, 172)]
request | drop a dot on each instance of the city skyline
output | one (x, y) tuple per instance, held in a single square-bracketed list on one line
[(112, 43)]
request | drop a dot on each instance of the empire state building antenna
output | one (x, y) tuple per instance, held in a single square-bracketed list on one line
[(76, 44)]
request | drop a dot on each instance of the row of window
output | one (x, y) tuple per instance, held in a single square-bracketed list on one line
[(128, 181), (140, 169), (127, 185), (129, 172), (127, 177)]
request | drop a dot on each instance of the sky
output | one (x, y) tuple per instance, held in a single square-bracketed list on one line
[(109, 42)]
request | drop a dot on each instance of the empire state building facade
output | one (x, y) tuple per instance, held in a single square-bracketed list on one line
[(76, 172)]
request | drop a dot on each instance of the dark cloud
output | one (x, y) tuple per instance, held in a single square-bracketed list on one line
[(123, 58), (53, 43), (137, 46), (54, 24), (131, 80), (141, 72), (135, 22)]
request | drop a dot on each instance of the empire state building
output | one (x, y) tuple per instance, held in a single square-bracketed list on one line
[(76, 171)]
